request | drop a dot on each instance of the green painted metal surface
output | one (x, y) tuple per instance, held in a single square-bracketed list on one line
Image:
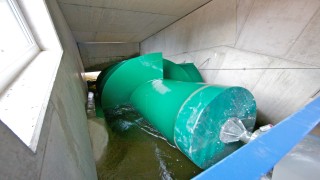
[(192, 72), (187, 72), (98, 108), (105, 74), (125, 77), (159, 101), (173, 71), (188, 113), (201, 117), (100, 77)]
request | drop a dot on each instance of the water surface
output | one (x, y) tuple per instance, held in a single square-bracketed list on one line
[(138, 151)]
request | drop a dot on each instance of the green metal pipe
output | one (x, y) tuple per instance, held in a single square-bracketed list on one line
[(189, 114), (125, 77), (105, 74), (173, 71), (181, 72), (192, 71), (159, 101)]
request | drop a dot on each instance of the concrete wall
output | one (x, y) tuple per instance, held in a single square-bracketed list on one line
[(271, 47), (64, 150), (98, 56)]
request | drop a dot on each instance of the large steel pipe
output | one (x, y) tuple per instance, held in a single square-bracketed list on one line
[(188, 114)]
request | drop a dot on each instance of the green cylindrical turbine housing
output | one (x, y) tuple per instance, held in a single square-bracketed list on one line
[(159, 101), (104, 76), (190, 115), (122, 79)]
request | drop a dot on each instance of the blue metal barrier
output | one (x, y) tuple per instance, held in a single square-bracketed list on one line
[(259, 156)]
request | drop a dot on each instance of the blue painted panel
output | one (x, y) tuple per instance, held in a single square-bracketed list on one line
[(259, 156)]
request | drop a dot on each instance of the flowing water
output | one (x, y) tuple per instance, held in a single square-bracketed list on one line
[(137, 151)]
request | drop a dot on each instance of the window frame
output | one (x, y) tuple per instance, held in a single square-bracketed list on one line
[(22, 58), (22, 100)]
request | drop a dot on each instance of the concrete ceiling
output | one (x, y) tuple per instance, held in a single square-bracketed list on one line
[(123, 20)]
